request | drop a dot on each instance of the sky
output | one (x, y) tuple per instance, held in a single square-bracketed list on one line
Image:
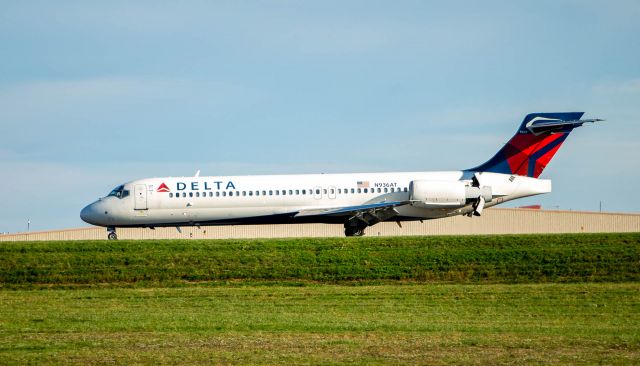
[(94, 94)]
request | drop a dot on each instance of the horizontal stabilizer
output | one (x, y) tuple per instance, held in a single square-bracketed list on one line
[(540, 125)]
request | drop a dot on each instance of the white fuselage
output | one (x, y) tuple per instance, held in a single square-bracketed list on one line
[(258, 199)]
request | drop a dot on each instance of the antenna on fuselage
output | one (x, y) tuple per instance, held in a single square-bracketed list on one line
[(197, 173)]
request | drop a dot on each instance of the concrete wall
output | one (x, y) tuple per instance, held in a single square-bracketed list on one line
[(493, 221)]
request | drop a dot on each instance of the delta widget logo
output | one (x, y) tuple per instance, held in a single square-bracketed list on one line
[(163, 188)]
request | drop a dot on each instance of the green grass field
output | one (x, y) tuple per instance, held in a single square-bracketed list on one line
[(475, 259), (560, 299)]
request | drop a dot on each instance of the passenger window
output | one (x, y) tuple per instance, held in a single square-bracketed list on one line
[(277, 192), (244, 193), (353, 190), (379, 190), (297, 192), (190, 194), (197, 194), (317, 191), (333, 191), (170, 195), (366, 190), (304, 191), (291, 192), (405, 189), (359, 190), (218, 194), (264, 193), (386, 190), (224, 194), (270, 193)]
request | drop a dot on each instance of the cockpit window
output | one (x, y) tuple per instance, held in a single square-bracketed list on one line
[(119, 192)]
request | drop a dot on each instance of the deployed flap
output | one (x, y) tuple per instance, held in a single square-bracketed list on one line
[(350, 210)]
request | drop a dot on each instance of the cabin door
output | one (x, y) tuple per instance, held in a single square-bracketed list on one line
[(332, 192), (140, 196)]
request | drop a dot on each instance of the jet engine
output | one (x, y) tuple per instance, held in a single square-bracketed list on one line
[(448, 194)]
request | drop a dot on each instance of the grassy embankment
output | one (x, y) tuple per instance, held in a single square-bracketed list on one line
[(480, 259), (572, 299)]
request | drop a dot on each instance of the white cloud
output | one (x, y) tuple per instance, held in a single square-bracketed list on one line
[(276, 26), (40, 99), (631, 86)]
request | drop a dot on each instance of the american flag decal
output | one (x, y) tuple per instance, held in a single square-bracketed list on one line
[(363, 184)]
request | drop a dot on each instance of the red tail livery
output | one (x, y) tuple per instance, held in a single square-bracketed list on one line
[(531, 149)]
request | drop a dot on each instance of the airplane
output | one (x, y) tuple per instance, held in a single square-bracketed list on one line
[(356, 201)]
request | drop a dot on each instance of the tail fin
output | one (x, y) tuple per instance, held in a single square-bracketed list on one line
[(539, 137)]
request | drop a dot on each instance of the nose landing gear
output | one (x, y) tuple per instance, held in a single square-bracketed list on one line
[(111, 233)]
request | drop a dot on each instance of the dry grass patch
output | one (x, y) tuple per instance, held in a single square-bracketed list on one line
[(325, 324)]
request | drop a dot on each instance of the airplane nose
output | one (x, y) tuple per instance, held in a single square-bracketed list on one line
[(89, 214)]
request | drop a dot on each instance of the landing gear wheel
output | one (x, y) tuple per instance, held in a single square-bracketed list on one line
[(112, 236), (353, 231)]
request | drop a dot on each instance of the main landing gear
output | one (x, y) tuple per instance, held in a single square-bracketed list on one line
[(354, 228), (356, 224), (111, 233)]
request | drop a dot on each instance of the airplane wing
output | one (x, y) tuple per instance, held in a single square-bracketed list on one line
[(350, 210), (370, 213)]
